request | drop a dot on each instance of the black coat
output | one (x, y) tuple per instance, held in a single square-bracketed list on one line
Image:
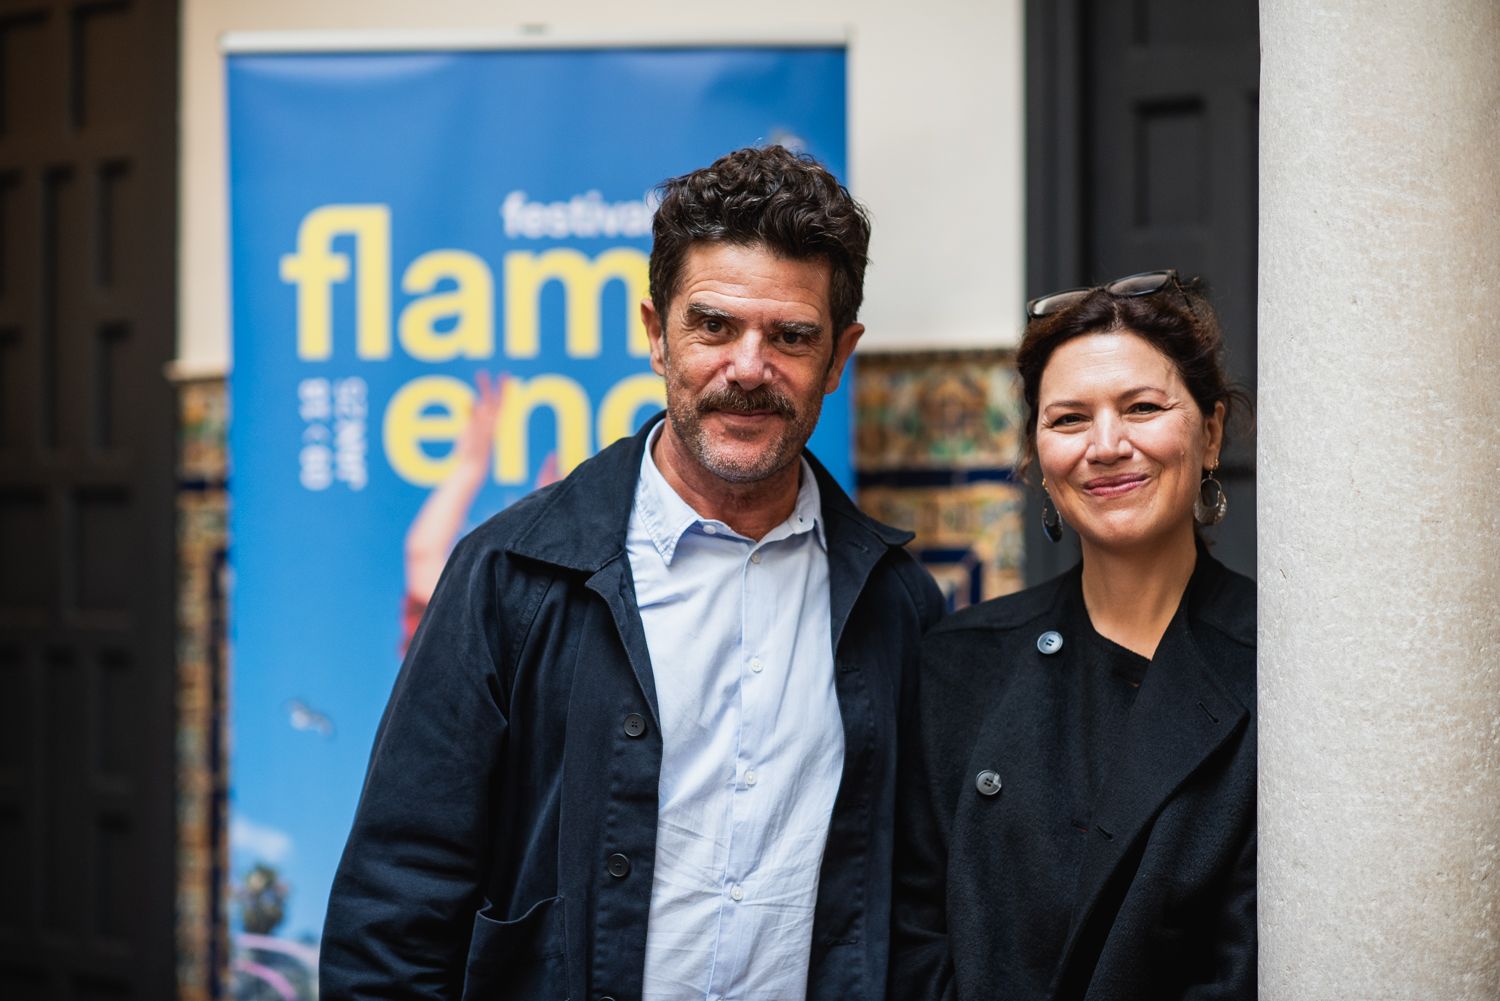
[(1162, 875), (505, 841)]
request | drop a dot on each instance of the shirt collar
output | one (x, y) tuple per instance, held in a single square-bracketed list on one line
[(667, 517)]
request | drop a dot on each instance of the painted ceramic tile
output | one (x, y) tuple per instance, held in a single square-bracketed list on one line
[(956, 410), (921, 416)]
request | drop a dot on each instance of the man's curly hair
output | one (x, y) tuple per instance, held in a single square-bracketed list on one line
[(763, 196)]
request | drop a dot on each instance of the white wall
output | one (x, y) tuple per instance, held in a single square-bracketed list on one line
[(936, 126)]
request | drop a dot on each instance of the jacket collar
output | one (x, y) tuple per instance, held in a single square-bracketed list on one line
[(582, 525)]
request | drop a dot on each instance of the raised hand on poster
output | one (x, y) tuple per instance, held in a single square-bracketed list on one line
[(443, 515)]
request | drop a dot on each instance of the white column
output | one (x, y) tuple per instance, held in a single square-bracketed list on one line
[(1379, 494)]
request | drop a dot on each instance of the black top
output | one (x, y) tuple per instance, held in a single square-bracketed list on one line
[(1106, 679)]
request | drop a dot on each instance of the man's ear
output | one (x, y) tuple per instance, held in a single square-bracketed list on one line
[(656, 335), (841, 352)]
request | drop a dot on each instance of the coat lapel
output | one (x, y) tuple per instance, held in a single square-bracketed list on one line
[(1181, 715), (850, 560), (856, 542), (580, 526), (612, 583)]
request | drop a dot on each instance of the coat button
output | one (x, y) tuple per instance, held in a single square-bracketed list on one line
[(987, 782), (619, 866), (1049, 642), (635, 725)]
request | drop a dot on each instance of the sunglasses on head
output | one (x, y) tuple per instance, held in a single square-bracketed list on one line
[(1145, 283)]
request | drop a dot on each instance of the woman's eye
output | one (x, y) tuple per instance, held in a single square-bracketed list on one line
[(1066, 419), (1144, 408)]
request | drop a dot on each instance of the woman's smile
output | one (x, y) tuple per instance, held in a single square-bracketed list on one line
[(1117, 485)]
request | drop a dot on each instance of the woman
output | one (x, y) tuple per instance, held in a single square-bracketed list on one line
[(1078, 776)]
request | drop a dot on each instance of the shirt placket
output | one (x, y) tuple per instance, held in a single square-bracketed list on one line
[(756, 617)]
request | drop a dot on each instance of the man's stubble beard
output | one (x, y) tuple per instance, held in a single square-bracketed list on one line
[(686, 414)]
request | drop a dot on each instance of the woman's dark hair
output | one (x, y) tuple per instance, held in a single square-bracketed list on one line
[(1177, 320), (763, 195)]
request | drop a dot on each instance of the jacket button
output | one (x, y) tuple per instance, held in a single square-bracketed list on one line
[(1049, 642), (619, 866), (987, 782), (635, 725)]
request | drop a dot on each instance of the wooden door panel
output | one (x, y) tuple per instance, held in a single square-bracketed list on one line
[(87, 668)]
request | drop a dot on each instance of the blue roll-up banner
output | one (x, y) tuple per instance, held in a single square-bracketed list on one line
[(437, 260)]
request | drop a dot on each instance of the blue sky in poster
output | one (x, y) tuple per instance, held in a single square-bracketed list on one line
[(440, 141)]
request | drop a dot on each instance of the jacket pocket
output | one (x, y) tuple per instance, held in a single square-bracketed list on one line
[(520, 960)]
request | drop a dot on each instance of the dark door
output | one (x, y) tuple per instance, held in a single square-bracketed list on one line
[(87, 247), (1142, 126)]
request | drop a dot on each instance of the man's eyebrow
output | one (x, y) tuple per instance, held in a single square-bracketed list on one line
[(809, 330), (703, 311)]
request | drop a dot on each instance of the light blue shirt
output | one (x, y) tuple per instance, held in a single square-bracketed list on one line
[(753, 742)]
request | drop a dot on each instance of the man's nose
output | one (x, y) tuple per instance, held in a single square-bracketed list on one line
[(748, 365)]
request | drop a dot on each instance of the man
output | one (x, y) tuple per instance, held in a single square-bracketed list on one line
[(643, 743)]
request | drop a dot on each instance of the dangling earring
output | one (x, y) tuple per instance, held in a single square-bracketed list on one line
[(1051, 520), (1211, 504)]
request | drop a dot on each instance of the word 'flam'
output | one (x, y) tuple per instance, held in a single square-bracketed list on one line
[(452, 314)]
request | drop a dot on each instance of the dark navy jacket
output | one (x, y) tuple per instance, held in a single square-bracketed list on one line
[(503, 847)]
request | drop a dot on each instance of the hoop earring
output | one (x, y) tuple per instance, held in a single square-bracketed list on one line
[(1211, 504), (1051, 520)]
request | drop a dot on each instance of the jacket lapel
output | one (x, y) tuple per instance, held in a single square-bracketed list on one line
[(856, 542), (581, 525), (612, 583), (1181, 715)]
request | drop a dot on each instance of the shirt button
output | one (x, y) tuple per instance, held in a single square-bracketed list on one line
[(987, 782), (710, 530), (737, 893), (619, 866), (755, 557), (1049, 642), (756, 665), (751, 778), (635, 725)]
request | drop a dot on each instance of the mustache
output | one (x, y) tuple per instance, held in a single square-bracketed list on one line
[(738, 401)]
